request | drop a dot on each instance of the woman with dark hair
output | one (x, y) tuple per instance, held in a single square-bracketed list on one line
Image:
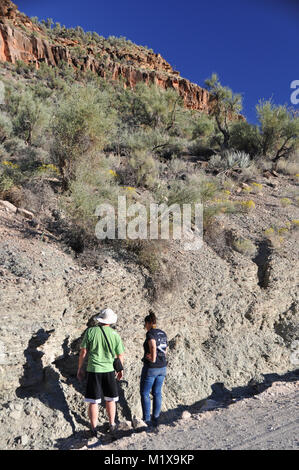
[(154, 369)]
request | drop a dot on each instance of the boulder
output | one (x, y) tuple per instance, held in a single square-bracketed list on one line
[(8, 206)]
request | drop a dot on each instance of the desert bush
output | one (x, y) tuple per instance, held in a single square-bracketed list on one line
[(196, 189), (256, 187), (285, 201), (227, 105), (91, 185), (46, 72), (5, 127), (81, 125), (149, 106), (276, 240), (6, 182), (245, 137), (244, 246), (203, 127), (21, 67), (30, 119), (246, 206), (145, 169), (176, 166), (289, 166), (279, 128), (10, 175), (146, 252)]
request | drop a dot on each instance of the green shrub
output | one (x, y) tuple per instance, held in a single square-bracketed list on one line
[(279, 127), (289, 166), (6, 182), (245, 137), (92, 185), (145, 169), (227, 105), (30, 119), (5, 127), (244, 246), (81, 125)]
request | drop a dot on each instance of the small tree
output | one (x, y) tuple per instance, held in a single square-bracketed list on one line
[(5, 127), (225, 106), (80, 126), (279, 127), (30, 117), (245, 137)]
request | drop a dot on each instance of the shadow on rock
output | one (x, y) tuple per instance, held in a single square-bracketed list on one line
[(221, 397), (42, 383)]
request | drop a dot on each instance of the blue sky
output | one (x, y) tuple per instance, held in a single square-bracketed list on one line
[(253, 45)]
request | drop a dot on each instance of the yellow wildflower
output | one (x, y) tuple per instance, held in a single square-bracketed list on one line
[(10, 164), (285, 201), (282, 230), (48, 167), (248, 205), (113, 173)]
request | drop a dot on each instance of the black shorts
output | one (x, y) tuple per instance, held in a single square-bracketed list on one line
[(101, 384)]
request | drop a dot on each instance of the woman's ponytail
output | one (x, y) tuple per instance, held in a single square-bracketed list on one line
[(151, 318)]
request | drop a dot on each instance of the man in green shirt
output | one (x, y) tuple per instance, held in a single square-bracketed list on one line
[(101, 376)]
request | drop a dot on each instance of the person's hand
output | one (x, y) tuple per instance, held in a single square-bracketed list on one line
[(149, 357), (119, 375), (80, 375)]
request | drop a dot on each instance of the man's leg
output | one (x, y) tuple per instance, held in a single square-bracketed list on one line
[(93, 413), (111, 411), (110, 390)]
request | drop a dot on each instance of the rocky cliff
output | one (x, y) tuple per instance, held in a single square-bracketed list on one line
[(21, 39), (231, 319)]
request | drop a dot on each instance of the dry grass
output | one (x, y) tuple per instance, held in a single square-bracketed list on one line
[(290, 166)]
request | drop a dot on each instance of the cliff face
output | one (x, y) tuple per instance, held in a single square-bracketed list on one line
[(20, 39)]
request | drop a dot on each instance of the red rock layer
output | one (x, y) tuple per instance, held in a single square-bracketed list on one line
[(20, 39)]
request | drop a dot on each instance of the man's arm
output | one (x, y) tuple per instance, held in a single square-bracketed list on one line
[(119, 375), (82, 356)]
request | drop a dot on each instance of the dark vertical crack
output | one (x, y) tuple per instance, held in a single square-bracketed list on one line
[(262, 260)]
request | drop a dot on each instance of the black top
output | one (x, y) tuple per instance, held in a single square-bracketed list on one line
[(161, 341)]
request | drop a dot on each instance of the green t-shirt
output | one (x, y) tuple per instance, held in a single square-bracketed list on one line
[(99, 356)]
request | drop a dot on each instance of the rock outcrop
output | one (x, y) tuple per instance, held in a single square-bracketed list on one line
[(225, 326), (20, 39)]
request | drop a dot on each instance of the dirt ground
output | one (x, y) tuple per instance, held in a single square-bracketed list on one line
[(268, 421)]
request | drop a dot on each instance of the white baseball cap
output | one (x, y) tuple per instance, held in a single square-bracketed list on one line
[(106, 316)]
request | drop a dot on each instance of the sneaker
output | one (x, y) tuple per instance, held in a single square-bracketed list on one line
[(94, 433), (155, 422), (112, 428)]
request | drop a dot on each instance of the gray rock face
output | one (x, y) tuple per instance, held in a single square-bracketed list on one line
[(223, 325)]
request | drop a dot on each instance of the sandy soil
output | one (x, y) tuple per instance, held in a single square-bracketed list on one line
[(269, 420)]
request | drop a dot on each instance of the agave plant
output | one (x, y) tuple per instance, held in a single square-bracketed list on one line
[(230, 159)]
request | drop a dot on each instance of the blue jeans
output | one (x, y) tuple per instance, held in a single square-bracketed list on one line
[(151, 381)]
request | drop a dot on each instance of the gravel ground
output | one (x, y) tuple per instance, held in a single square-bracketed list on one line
[(266, 421)]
